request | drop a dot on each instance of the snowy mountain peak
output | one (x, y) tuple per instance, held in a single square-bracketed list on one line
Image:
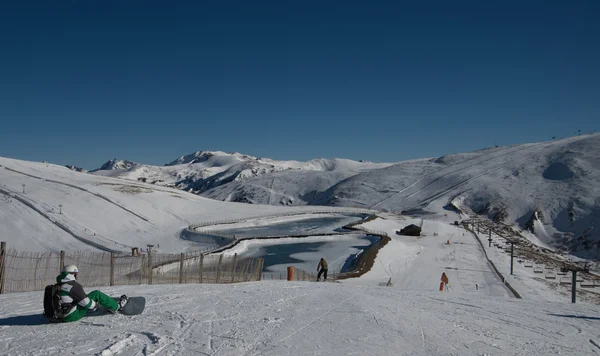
[(203, 156), (76, 169), (115, 164)]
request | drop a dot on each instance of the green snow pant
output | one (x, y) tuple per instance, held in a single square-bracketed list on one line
[(98, 297)]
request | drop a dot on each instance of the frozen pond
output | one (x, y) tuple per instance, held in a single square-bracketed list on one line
[(340, 251), (315, 224)]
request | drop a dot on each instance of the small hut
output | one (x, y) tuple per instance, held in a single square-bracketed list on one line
[(410, 230)]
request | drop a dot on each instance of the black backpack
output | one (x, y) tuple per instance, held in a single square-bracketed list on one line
[(52, 309)]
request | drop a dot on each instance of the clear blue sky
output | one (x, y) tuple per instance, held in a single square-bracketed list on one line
[(85, 81)]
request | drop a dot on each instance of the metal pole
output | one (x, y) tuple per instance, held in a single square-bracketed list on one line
[(573, 286), (512, 245)]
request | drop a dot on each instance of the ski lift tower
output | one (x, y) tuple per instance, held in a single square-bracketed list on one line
[(574, 268), (512, 252)]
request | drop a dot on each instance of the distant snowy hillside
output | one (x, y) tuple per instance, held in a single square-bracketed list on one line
[(241, 178), (550, 188)]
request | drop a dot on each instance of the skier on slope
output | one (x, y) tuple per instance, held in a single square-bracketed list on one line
[(322, 268), (75, 303)]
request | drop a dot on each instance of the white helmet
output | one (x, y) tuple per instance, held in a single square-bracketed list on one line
[(70, 269)]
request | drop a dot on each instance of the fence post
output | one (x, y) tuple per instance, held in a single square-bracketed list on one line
[(62, 260), (2, 268), (233, 269), (142, 267), (219, 268), (201, 266), (149, 267), (261, 265), (181, 268), (112, 268), (246, 267)]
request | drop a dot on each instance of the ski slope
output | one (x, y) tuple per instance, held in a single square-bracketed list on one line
[(113, 213), (305, 318), (417, 263)]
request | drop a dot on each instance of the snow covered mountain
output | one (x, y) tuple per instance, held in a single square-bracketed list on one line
[(116, 164), (47, 207), (549, 189), (243, 178)]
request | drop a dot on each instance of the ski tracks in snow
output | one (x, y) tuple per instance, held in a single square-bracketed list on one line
[(145, 343)]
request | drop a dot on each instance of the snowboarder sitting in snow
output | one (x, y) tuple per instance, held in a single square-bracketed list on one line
[(322, 268), (75, 303)]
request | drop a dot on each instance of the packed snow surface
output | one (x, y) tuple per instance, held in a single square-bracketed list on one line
[(304, 318)]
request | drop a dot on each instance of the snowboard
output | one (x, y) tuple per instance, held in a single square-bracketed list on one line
[(134, 306)]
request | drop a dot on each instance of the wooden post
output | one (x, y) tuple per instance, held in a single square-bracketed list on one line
[(246, 267), (245, 270), (142, 268), (112, 269), (201, 267), (219, 268), (181, 257), (62, 260), (2, 265), (233, 268), (149, 267), (290, 273), (259, 276)]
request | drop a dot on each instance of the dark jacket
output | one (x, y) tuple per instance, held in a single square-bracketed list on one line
[(322, 264)]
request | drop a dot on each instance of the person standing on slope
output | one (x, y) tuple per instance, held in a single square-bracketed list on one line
[(322, 268), (75, 303)]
